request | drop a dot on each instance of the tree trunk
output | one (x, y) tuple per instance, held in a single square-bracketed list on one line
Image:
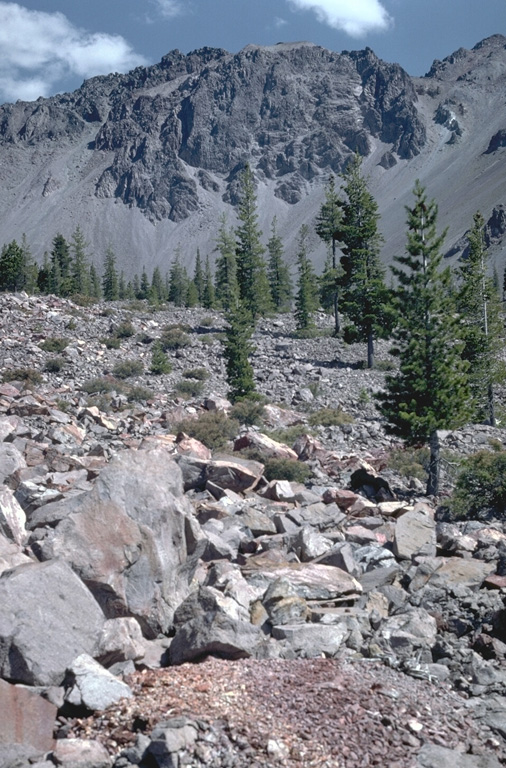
[(370, 350), (337, 325), (434, 465), (491, 408)]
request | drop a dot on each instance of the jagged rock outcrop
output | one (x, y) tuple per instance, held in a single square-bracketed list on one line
[(170, 140)]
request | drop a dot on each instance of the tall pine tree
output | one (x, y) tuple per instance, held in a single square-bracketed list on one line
[(110, 282), (328, 226), (278, 272), (227, 288), (366, 298), (237, 348), (254, 289), (306, 299), (430, 391), (481, 325), (79, 267)]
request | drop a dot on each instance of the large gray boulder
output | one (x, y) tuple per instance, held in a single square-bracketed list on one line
[(92, 686), (215, 633), (127, 538), (47, 618)]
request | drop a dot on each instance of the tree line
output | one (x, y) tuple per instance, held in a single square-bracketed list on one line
[(447, 327)]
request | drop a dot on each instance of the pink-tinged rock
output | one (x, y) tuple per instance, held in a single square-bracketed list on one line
[(191, 446), (7, 390), (265, 445), (362, 507), (80, 753), (489, 536), (215, 403), (29, 406), (10, 555), (415, 533), (494, 581), (343, 498), (72, 430), (281, 417), (12, 517), (238, 475), (26, 718), (8, 425), (279, 490), (311, 581), (307, 447), (360, 535)]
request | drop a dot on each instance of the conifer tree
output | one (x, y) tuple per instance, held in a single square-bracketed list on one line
[(192, 295), (430, 391), (237, 349), (110, 282), (328, 224), (278, 272), (178, 281), (30, 269), (481, 325), (60, 282), (157, 293), (198, 278), (94, 283), (251, 271), (366, 298), (209, 297), (43, 278), (227, 288), (306, 300), (79, 268), (11, 267), (122, 289), (159, 360), (136, 287), (143, 285)]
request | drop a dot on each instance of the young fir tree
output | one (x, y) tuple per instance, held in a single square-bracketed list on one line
[(199, 279), (366, 297), (122, 288), (159, 361), (306, 299), (254, 289), (237, 349), (430, 391), (110, 281), (278, 272), (11, 267), (44, 276), (328, 224), (192, 295), (30, 269), (94, 283), (157, 293), (226, 286), (60, 281), (79, 267), (143, 285), (178, 281), (481, 325), (209, 296)]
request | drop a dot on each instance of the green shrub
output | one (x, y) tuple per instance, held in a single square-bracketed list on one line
[(111, 342), (207, 339), (311, 333), (286, 469), (289, 435), (159, 361), (189, 388), (330, 417), (207, 322), (100, 385), (71, 325), (82, 300), (213, 428), (481, 486), (124, 330), (127, 368), (54, 364), (139, 394), (384, 365), (410, 462), (28, 375), (248, 411), (173, 338), (201, 374), (54, 344)]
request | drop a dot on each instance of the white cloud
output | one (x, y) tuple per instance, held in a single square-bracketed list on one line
[(38, 50), (169, 8), (279, 22), (355, 17)]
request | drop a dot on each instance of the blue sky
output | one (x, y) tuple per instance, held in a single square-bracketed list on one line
[(50, 46)]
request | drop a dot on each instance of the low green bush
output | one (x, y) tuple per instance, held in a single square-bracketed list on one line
[(159, 361), (54, 344), (480, 491), (139, 394), (330, 417), (128, 368), (289, 435), (201, 374), (111, 342), (174, 338), (100, 385), (287, 469), (410, 462), (189, 388), (27, 375), (213, 428), (54, 364), (248, 411), (124, 330)]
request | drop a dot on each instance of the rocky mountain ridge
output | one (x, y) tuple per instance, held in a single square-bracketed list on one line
[(357, 624), (148, 160)]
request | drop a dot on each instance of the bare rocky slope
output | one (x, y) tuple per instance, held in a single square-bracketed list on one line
[(148, 160), (164, 605)]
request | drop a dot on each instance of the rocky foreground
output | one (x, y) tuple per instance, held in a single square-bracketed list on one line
[(162, 604)]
